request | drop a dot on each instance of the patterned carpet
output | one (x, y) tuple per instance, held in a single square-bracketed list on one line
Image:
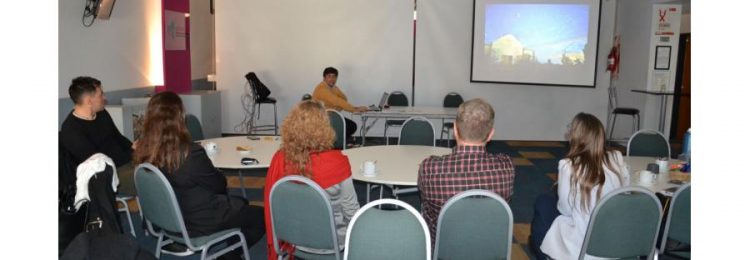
[(536, 171)]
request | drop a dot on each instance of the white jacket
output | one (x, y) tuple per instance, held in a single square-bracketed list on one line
[(87, 169)]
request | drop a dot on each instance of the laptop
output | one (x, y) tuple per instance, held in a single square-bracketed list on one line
[(380, 105)]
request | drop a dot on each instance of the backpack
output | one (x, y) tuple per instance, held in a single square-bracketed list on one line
[(261, 91)]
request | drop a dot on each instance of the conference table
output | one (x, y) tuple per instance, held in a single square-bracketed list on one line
[(399, 112), (395, 164), (228, 154)]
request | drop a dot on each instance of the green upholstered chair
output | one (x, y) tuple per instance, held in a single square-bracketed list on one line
[(194, 127), (417, 130), (339, 127), (387, 234), (395, 99), (301, 214), (452, 99), (474, 224), (648, 142), (159, 207), (624, 224), (678, 222)]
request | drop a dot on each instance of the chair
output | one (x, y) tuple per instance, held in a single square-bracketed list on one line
[(624, 224), (474, 224), (194, 127), (453, 99), (291, 196), (260, 96), (387, 234), (123, 199), (648, 142), (417, 130), (398, 99), (159, 207), (615, 110), (339, 126), (678, 221)]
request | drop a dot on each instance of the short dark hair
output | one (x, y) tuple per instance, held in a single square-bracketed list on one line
[(82, 86), (330, 70)]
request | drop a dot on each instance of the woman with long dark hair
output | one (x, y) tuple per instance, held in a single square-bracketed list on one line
[(201, 190), (589, 171)]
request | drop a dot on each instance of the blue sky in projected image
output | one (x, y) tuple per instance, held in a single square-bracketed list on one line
[(545, 28)]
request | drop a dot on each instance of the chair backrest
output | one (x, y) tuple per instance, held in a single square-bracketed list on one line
[(474, 224), (624, 224), (678, 218), (339, 127), (417, 130), (387, 234), (194, 127), (648, 142), (158, 203), (453, 99), (260, 91), (301, 214), (398, 98)]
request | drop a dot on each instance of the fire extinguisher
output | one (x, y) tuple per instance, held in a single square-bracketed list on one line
[(613, 59)]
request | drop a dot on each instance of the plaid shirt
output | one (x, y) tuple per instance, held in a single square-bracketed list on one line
[(468, 167)]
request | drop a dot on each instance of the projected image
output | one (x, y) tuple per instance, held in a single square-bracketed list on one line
[(535, 43), (536, 33)]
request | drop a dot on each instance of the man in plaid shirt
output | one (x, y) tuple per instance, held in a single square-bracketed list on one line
[(468, 167)]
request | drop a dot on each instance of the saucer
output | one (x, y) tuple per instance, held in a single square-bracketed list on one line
[(370, 175)]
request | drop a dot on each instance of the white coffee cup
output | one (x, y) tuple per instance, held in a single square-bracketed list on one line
[(368, 168), (647, 177), (210, 147), (663, 164)]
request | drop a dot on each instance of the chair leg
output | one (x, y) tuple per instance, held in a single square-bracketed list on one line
[(612, 127), (126, 210), (258, 104), (385, 134)]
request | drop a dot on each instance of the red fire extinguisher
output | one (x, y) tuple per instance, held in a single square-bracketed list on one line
[(613, 59)]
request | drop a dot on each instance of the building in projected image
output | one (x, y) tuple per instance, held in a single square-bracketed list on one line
[(508, 50)]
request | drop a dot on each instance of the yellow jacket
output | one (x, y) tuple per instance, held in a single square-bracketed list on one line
[(332, 97)]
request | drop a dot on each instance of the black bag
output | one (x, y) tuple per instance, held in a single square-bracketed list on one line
[(261, 91)]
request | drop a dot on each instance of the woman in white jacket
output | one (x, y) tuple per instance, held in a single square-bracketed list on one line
[(588, 172)]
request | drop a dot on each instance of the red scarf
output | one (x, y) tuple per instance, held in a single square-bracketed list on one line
[(328, 168)]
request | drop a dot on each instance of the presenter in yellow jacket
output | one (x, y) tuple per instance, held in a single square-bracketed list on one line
[(333, 98)]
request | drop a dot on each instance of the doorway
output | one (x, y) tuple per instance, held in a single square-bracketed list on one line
[(681, 106)]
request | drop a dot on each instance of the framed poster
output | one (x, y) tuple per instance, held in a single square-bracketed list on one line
[(662, 58)]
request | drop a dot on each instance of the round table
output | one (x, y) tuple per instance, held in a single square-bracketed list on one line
[(638, 163), (395, 164), (227, 156)]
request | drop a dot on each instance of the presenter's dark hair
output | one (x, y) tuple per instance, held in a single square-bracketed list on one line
[(330, 70), (83, 85)]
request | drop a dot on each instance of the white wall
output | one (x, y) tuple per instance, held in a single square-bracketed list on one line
[(522, 112), (117, 51), (201, 39)]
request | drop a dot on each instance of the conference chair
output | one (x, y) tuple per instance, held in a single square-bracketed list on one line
[(291, 196), (159, 207), (417, 130), (614, 111), (261, 96), (624, 224), (648, 142), (451, 100), (474, 224), (339, 126), (194, 127), (397, 99), (387, 234), (678, 222)]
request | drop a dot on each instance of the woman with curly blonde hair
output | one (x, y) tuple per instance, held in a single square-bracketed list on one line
[(306, 149)]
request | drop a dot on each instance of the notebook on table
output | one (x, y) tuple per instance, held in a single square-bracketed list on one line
[(380, 105)]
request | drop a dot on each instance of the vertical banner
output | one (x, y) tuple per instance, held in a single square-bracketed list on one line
[(176, 43), (665, 36)]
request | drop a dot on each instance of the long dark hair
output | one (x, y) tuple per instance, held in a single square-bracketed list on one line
[(588, 157), (165, 141)]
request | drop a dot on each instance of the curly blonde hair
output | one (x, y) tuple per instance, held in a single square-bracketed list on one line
[(306, 130)]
